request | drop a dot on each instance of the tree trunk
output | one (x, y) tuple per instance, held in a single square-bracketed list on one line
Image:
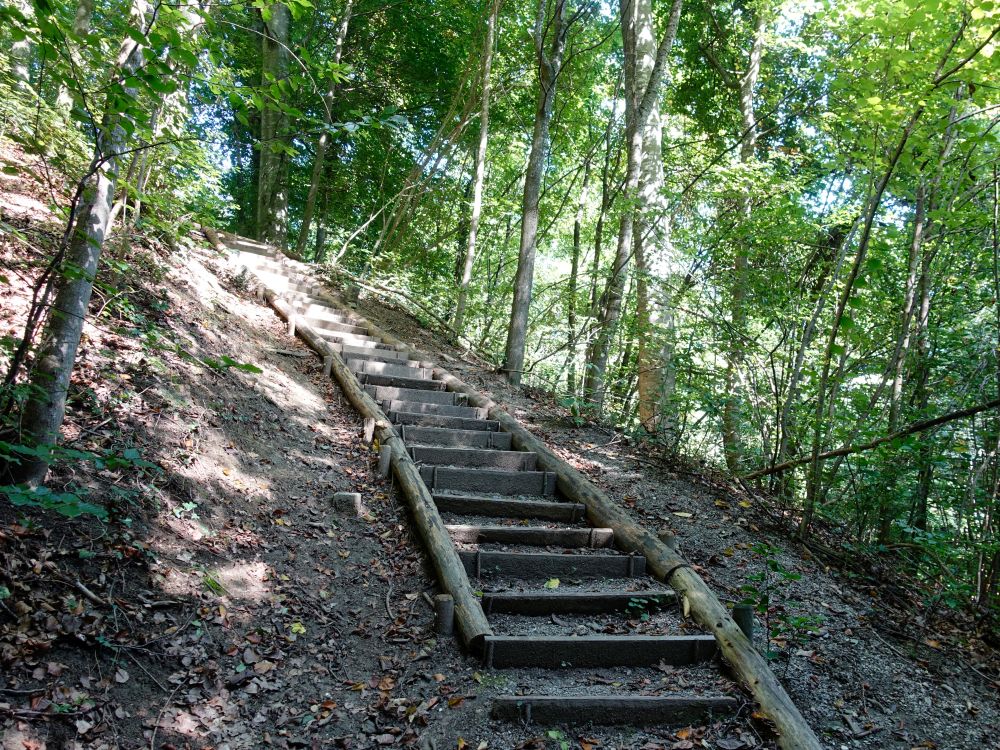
[(479, 176), (272, 176), (549, 64), (46, 406), (324, 140), (641, 96), (20, 51), (81, 27), (574, 273), (731, 442)]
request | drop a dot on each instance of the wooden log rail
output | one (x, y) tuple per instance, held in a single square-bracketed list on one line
[(794, 733), (448, 566)]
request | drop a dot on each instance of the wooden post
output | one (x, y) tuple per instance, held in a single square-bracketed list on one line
[(669, 539), (291, 324), (793, 731), (369, 429), (444, 614), (385, 460), (327, 366), (743, 616)]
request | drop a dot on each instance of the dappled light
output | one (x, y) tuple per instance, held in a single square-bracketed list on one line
[(525, 374)]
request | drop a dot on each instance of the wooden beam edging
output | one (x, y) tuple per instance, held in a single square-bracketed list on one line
[(793, 731), (469, 615)]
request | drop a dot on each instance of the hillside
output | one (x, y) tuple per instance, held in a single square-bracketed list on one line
[(225, 603)]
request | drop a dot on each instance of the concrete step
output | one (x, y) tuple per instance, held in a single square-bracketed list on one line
[(384, 368), (447, 478), (481, 564), (537, 536), (436, 420), (552, 652), (368, 378), (474, 457), (410, 395), (413, 435), (542, 604), (611, 710), (445, 410), (502, 507)]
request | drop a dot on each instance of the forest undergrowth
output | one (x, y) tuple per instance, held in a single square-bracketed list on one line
[(222, 604)]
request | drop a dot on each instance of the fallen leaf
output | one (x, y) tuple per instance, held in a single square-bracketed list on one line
[(298, 628), (552, 583), (683, 514), (457, 701), (121, 676), (263, 667)]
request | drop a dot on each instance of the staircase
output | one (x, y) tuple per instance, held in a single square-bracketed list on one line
[(557, 592)]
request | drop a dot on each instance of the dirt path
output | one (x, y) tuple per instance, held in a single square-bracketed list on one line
[(866, 671)]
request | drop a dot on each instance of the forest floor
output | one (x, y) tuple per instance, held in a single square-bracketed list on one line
[(225, 604)]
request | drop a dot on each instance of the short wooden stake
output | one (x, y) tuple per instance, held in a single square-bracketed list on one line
[(385, 460), (669, 539), (327, 366), (743, 616), (369, 430), (347, 504), (291, 325), (444, 614), (259, 293)]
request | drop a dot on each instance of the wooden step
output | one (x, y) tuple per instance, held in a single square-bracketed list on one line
[(502, 507), (457, 479), (537, 536), (396, 381), (441, 421), (414, 435), (538, 603), (425, 407), (474, 457), (329, 325), (388, 354), (554, 651), (480, 564), (387, 394), (610, 710), (370, 367)]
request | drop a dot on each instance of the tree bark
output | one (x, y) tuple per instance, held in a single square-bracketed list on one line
[(731, 442), (549, 65), (272, 176), (479, 176), (324, 140), (81, 27), (641, 96), (46, 406), (574, 274)]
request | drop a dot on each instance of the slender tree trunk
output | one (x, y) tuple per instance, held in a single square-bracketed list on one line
[(641, 96), (324, 140), (21, 51), (731, 442), (272, 177), (549, 64), (479, 175), (574, 273), (43, 413), (81, 27)]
